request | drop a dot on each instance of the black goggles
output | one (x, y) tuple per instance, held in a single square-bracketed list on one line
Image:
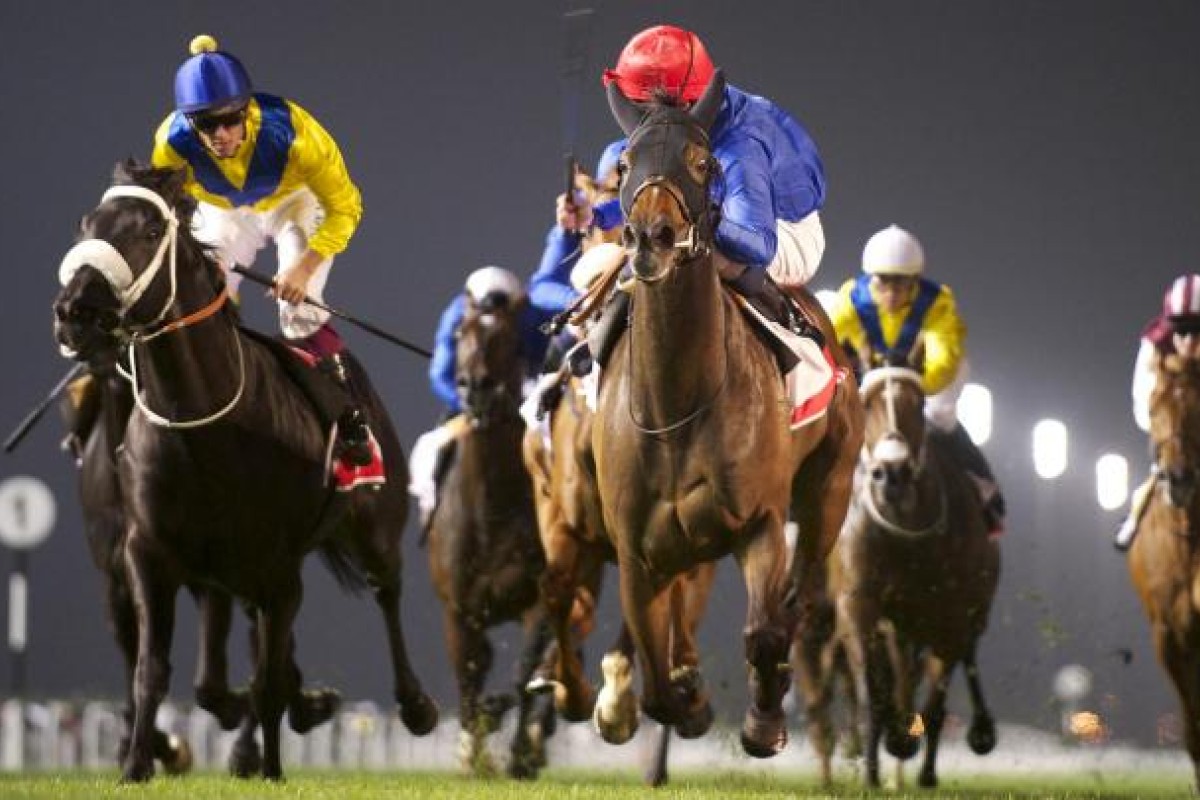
[(208, 123)]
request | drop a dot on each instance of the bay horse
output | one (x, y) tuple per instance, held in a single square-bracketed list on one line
[(1163, 556), (695, 458), (484, 553), (223, 473), (920, 568)]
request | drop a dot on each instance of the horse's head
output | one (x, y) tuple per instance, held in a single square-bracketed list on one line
[(666, 172), (121, 276), (894, 433), (488, 366), (1175, 422)]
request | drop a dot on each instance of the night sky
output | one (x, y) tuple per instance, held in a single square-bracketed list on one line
[(1043, 152)]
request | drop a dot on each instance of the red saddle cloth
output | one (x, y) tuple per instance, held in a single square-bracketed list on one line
[(347, 476), (812, 390)]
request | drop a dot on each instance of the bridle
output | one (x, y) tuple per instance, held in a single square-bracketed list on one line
[(101, 255), (893, 442)]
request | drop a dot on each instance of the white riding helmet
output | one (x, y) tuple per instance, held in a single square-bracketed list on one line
[(494, 280), (893, 251)]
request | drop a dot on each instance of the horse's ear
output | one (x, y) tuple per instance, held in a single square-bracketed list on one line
[(626, 112), (173, 183), (709, 105), (125, 170)]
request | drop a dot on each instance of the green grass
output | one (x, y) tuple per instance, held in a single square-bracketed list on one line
[(579, 785)]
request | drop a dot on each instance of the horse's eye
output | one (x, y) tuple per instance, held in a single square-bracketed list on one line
[(153, 232)]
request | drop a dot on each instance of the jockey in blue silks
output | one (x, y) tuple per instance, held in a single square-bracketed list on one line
[(771, 189)]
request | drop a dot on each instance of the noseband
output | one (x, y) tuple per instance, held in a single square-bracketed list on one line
[(101, 255)]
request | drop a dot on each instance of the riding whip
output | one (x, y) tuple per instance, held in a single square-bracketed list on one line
[(268, 281), (32, 418)]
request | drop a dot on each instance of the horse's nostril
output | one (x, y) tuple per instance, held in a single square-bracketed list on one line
[(628, 236), (663, 236), (878, 473)]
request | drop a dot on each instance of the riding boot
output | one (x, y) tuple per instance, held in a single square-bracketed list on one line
[(354, 437), (603, 337), (557, 364), (968, 455), (1137, 508)]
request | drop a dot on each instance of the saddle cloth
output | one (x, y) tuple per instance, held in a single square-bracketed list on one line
[(811, 384), (344, 475)]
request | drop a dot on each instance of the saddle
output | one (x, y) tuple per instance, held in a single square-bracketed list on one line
[(330, 401)]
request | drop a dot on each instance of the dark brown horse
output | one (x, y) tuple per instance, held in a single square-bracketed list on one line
[(919, 562), (223, 473), (484, 553), (1163, 557), (694, 453)]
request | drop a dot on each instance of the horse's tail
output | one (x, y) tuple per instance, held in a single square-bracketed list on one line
[(348, 576)]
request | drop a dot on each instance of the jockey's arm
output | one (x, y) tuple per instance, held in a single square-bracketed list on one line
[(163, 155), (746, 232), (945, 336), (442, 365), (1144, 380), (845, 319), (320, 162), (550, 289)]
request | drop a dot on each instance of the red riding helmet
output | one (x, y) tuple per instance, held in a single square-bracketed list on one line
[(663, 57)]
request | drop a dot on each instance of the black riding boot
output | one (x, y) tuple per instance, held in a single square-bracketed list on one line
[(604, 335), (968, 455), (354, 436)]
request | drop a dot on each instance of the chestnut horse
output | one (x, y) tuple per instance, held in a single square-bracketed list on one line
[(919, 565), (223, 473), (1163, 557), (577, 548), (695, 458), (484, 552)]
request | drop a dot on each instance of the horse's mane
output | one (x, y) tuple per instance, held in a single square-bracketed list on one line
[(169, 183)]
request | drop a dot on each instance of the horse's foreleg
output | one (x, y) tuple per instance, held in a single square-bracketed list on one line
[(981, 737), (1183, 666), (535, 713), (212, 667), (558, 586), (689, 599), (154, 591), (933, 717), (900, 736), (273, 677), (767, 637), (813, 684), (646, 611), (471, 655)]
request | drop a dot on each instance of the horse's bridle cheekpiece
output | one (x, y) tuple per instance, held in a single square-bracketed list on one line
[(102, 256)]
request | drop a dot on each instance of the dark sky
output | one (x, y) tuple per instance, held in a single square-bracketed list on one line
[(1044, 153)]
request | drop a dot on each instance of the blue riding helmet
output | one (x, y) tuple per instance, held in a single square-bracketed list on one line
[(210, 79)]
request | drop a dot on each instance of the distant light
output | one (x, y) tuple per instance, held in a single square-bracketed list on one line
[(1112, 481), (827, 298), (1072, 683), (1050, 448), (975, 411)]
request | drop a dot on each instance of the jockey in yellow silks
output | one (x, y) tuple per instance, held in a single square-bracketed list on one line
[(892, 315), (263, 169)]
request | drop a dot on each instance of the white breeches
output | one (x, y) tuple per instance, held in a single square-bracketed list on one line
[(236, 235), (941, 409), (798, 250)]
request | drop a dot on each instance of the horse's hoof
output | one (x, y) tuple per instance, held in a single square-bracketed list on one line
[(696, 722), (901, 744), (138, 771), (245, 761), (229, 707), (311, 708), (522, 768), (927, 779), (981, 738), (419, 714), (764, 735), (540, 684), (616, 723), (181, 759)]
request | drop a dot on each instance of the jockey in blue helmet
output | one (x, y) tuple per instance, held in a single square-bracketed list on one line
[(263, 169)]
